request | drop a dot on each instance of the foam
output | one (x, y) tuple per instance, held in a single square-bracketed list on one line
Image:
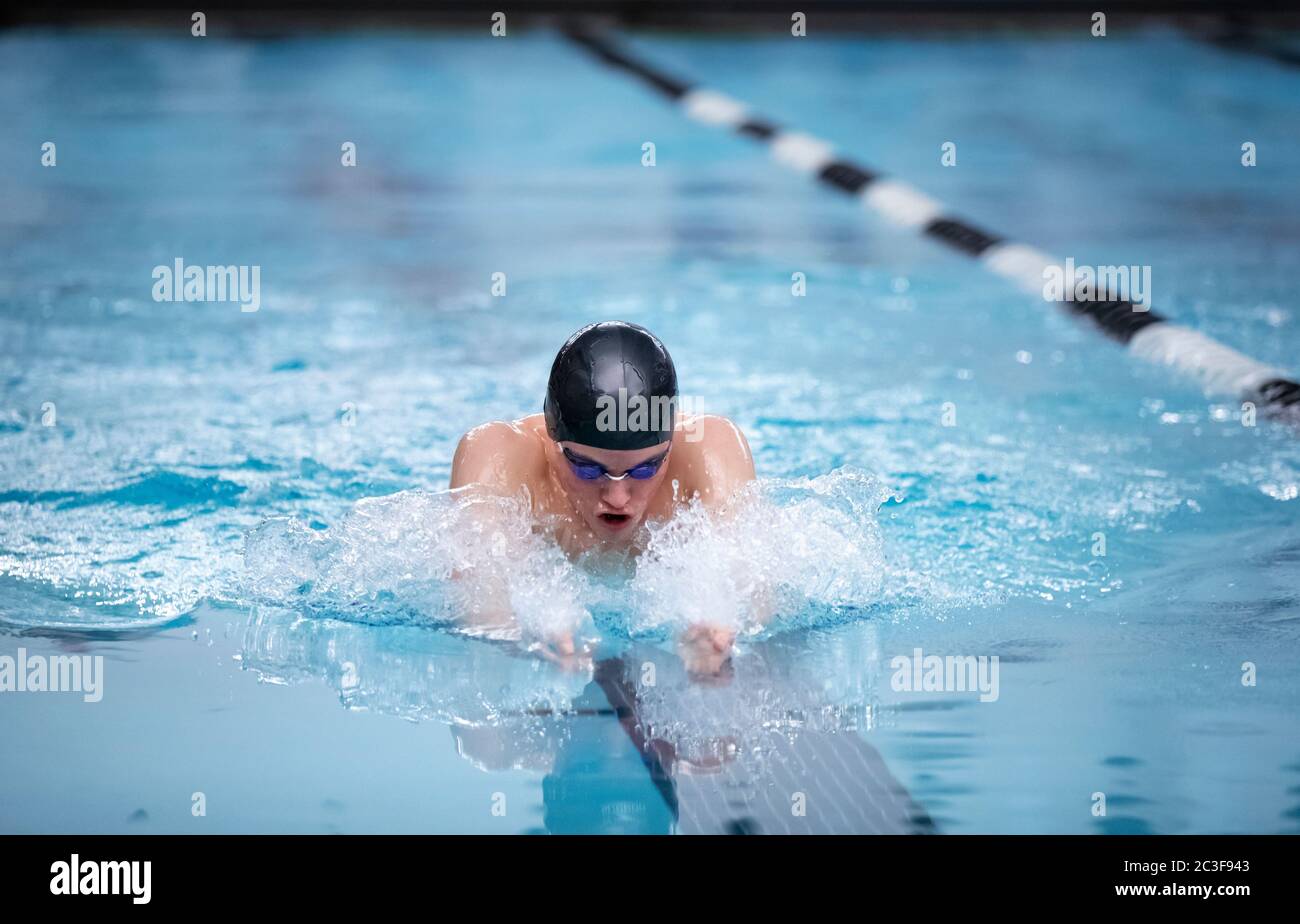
[(779, 548), (421, 557)]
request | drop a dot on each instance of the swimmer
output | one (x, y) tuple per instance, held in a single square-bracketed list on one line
[(609, 452)]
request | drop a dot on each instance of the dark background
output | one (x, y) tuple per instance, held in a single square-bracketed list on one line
[(1213, 17)]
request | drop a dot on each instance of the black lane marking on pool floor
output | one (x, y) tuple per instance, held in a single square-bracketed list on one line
[(609, 675), (1118, 318), (841, 774)]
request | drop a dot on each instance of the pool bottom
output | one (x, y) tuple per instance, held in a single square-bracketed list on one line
[(804, 733)]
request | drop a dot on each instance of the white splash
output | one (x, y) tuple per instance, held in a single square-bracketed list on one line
[(483, 564)]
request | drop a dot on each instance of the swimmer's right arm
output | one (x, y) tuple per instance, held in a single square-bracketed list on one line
[(482, 465), (493, 458)]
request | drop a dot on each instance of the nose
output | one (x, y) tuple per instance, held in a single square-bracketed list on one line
[(615, 494)]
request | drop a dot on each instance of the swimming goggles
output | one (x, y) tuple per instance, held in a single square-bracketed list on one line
[(588, 470)]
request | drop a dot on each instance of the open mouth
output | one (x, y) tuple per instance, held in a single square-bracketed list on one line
[(615, 520)]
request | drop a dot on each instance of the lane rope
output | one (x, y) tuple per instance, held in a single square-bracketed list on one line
[(1220, 370)]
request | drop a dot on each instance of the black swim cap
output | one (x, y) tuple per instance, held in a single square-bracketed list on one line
[(612, 386)]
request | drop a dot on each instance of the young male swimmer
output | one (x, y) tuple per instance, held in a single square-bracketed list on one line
[(609, 452)]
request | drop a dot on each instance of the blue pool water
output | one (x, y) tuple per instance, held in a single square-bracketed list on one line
[(177, 430)]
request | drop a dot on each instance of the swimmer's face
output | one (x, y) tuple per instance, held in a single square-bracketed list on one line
[(611, 508)]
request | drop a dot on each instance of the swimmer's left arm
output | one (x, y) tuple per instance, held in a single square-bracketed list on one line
[(730, 468), (718, 462)]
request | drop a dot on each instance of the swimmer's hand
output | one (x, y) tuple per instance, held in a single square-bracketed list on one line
[(706, 650), (560, 649)]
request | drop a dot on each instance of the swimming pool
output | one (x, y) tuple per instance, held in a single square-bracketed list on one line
[(142, 442)]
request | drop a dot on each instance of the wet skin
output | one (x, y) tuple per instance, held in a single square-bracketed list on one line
[(708, 458)]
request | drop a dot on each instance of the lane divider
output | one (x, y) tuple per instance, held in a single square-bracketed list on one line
[(1220, 370)]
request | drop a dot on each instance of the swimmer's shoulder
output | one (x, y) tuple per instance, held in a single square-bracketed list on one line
[(500, 455), (712, 457)]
